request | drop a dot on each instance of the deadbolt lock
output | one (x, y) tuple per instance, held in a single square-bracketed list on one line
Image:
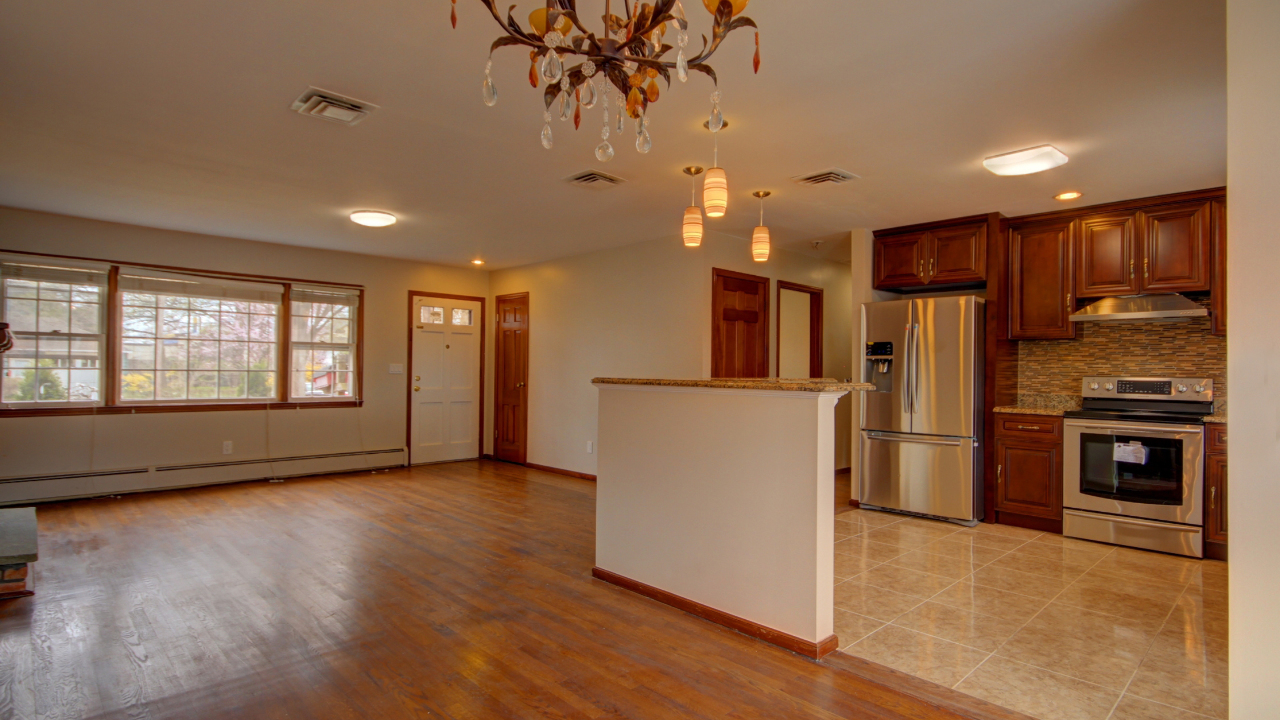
[(417, 378)]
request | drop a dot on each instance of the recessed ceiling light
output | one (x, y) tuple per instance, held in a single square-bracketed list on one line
[(373, 218), (1068, 195), (477, 261), (1025, 162)]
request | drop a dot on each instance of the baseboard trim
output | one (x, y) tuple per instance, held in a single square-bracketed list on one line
[(815, 650), (853, 502), (1029, 522), (844, 471), (558, 471)]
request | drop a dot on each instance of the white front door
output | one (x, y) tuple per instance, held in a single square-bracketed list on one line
[(446, 380)]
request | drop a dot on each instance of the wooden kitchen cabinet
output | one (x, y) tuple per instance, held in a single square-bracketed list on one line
[(899, 261), (1215, 492), (948, 253), (1041, 281), (1107, 255), (1028, 455), (1177, 248), (1218, 298)]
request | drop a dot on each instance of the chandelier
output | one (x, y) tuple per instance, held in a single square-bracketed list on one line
[(619, 68)]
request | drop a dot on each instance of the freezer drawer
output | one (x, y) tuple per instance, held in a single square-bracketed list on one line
[(923, 474)]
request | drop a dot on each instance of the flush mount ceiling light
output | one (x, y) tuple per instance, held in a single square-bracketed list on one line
[(373, 218), (1068, 195), (619, 68), (477, 261), (1025, 162), (692, 229)]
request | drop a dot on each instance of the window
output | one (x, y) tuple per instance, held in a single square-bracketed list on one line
[(323, 349), (462, 316), (197, 339), (55, 313), (432, 315), (119, 336)]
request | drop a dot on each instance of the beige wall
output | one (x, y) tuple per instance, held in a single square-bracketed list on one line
[(1253, 354), (42, 446), (644, 310)]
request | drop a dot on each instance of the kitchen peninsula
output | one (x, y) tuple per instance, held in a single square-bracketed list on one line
[(714, 496)]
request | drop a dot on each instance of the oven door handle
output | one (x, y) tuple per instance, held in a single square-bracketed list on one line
[(1163, 432)]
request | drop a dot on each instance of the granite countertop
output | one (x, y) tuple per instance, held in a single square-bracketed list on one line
[(17, 535), (1041, 404), (779, 384)]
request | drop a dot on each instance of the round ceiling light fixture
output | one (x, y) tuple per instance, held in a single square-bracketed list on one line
[(477, 261), (373, 218), (1068, 195)]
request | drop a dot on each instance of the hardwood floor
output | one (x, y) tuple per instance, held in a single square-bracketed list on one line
[(449, 591)]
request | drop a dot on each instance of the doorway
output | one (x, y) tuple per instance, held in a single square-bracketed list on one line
[(739, 325), (511, 380), (446, 377), (799, 330)]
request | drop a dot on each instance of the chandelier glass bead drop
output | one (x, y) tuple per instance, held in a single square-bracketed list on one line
[(630, 55)]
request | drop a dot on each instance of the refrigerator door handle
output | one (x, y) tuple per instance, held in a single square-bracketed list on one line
[(915, 367), (906, 370), (913, 439)]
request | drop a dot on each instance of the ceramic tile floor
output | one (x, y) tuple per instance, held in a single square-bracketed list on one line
[(1057, 628)]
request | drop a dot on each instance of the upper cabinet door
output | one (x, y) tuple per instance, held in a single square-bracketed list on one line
[(900, 261), (1041, 282), (1107, 255), (957, 255), (1218, 300), (1177, 249)]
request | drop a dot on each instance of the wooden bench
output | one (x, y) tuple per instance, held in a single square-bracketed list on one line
[(18, 547)]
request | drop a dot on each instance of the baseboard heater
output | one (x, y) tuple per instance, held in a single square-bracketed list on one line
[(65, 486)]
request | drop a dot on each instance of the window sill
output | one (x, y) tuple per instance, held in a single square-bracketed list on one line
[(159, 408)]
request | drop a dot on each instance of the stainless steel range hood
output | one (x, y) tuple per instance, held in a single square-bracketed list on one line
[(1130, 308)]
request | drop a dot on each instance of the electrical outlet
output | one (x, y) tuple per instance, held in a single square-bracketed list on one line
[(591, 447), (227, 447)]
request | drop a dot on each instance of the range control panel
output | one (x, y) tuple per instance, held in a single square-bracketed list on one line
[(1149, 388)]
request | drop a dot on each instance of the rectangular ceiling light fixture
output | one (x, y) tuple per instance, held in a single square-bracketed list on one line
[(1025, 162)]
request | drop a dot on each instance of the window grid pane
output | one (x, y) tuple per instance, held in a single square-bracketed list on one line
[(56, 356), (323, 350), (178, 348)]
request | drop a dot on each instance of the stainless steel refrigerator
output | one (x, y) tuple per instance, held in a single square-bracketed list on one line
[(921, 427)]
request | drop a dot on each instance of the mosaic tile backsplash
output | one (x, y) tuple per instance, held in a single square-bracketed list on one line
[(1187, 349)]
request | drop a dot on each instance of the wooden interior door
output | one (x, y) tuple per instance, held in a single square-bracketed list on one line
[(1108, 255), (957, 255), (1177, 245), (511, 381), (799, 347), (1041, 282), (446, 393), (739, 325)]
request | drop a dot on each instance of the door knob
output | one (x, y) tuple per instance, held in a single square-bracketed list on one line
[(417, 378), (446, 347), (519, 385), (416, 388)]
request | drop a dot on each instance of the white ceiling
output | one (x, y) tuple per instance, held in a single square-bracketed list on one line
[(176, 115)]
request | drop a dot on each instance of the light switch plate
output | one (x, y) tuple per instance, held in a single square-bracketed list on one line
[(591, 447), (396, 369)]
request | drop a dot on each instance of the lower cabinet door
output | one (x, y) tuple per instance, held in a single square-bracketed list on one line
[(1029, 478), (1215, 514)]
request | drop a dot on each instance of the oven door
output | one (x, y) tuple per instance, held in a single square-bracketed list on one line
[(1143, 470)]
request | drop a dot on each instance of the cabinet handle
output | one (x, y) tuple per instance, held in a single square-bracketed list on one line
[(1028, 427), (922, 267), (1146, 267), (931, 266), (1130, 269), (1000, 474), (1068, 303), (1213, 498)]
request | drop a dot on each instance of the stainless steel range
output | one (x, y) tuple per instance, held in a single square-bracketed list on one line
[(1133, 471)]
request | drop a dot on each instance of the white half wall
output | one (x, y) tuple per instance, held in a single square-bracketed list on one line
[(1253, 354), (37, 446), (644, 311)]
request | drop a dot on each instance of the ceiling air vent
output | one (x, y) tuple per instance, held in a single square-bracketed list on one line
[(594, 179), (332, 106), (834, 176)]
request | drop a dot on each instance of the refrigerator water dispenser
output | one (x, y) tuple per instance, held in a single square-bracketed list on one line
[(879, 371)]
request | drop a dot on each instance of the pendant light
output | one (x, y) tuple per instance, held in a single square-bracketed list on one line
[(693, 213), (715, 188), (760, 238)]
